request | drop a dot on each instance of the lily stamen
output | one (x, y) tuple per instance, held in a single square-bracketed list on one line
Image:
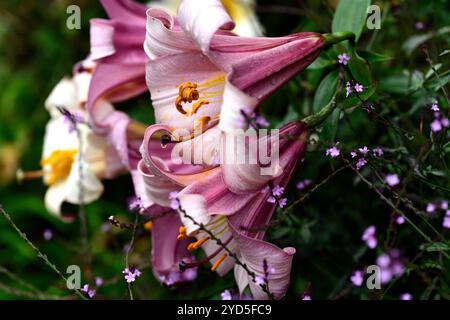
[(187, 93), (198, 105), (195, 245), (187, 265), (28, 175), (218, 262)]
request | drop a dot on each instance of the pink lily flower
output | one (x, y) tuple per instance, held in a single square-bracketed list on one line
[(116, 47), (200, 72), (235, 215)]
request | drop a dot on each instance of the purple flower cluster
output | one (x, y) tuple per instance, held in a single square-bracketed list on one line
[(276, 196), (369, 237), (304, 184), (433, 207), (353, 87), (88, 291), (391, 266), (343, 59), (135, 204), (439, 121), (334, 151), (174, 277)]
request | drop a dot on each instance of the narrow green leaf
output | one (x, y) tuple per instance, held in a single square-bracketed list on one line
[(325, 91), (350, 16)]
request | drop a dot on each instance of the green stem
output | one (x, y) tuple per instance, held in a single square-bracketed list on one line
[(333, 38), (316, 119)]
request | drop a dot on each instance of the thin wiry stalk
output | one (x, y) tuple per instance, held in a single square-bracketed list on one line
[(129, 249), (39, 294), (41, 255)]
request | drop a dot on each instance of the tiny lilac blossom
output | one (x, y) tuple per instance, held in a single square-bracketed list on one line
[(359, 87), (400, 220), (446, 222), (369, 236), (282, 202), (98, 281), (377, 152), (434, 107), (333, 151), (277, 191), (364, 150), (357, 278), (445, 122), (361, 163), (303, 184), (48, 234), (343, 58), (353, 154), (406, 296), (226, 295), (392, 179), (436, 125)]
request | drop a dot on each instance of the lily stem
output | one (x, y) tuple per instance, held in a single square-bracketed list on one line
[(333, 38), (316, 119)]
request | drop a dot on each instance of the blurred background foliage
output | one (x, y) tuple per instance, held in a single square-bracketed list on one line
[(37, 50)]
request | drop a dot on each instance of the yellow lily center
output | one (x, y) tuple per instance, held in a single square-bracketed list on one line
[(59, 163)]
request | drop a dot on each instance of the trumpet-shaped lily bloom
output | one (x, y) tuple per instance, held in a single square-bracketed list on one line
[(241, 11), (235, 215), (200, 73), (64, 155), (116, 47)]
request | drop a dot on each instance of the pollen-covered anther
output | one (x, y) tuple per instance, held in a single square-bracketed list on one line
[(195, 245), (197, 105), (58, 164), (186, 93), (218, 262)]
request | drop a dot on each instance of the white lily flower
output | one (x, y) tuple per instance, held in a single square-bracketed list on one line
[(61, 161), (241, 11)]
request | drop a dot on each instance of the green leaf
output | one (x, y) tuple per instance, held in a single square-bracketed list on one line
[(359, 68), (325, 91), (319, 63), (373, 57), (350, 16), (434, 247), (415, 41)]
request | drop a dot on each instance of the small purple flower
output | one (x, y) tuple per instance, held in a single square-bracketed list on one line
[(406, 296), (444, 205), (98, 281), (134, 204), (357, 278), (353, 154), (436, 125), (390, 265), (90, 292), (303, 184), (348, 89), (358, 87), (361, 163), (226, 295), (420, 25), (48, 234), (343, 58), (271, 199), (282, 202), (377, 152), (277, 191), (131, 274), (446, 222), (434, 107), (364, 150), (430, 208), (306, 297), (445, 122), (333, 151), (369, 236), (392, 179), (400, 220)]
